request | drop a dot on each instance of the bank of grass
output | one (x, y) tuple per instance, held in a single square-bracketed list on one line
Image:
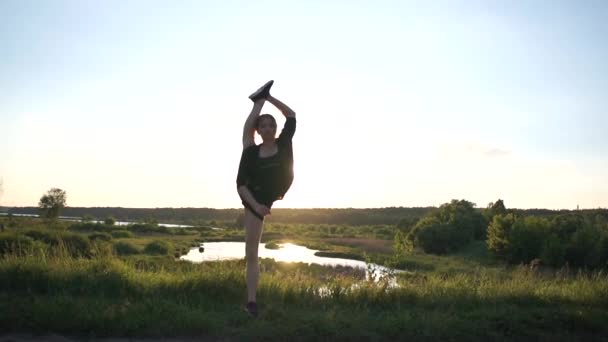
[(146, 296), (458, 297)]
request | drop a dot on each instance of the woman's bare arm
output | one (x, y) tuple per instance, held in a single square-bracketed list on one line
[(288, 112), (249, 128)]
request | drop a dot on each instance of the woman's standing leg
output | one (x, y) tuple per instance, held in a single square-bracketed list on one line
[(253, 234)]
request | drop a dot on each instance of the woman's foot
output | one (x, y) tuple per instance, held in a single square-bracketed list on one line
[(252, 308), (263, 92)]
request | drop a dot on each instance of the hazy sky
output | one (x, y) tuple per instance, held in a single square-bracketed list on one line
[(399, 103)]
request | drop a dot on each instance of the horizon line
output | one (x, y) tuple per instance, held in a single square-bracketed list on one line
[(307, 208)]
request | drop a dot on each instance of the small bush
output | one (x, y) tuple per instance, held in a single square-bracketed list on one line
[(584, 247), (272, 245), (148, 227), (13, 243), (89, 227), (117, 234), (435, 237), (184, 231), (499, 231), (446, 230), (76, 244), (46, 236), (125, 248), (553, 252), (158, 248), (526, 239), (341, 255), (441, 239), (100, 236)]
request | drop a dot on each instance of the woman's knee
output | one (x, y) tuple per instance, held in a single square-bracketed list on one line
[(251, 218)]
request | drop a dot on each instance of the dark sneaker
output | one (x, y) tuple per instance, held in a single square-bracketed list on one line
[(263, 92), (252, 309)]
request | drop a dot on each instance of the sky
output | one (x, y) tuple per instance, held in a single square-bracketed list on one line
[(399, 103)]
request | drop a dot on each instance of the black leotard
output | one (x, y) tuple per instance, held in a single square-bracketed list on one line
[(269, 178)]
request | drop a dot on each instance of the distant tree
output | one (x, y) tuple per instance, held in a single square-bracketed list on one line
[(554, 251), (1, 192), (585, 247), (527, 238), (52, 202), (110, 221), (497, 208), (440, 238), (401, 243), (150, 221), (86, 218), (461, 215), (407, 223), (499, 231), (600, 222), (566, 225), (445, 230)]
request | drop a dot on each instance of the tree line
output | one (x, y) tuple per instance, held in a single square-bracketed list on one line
[(202, 216), (554, 238)]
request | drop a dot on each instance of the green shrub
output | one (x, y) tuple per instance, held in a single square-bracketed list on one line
[(117, 234), (100, 236), (526, 239), (446, 230), (498, 236), (125, 248), (466, 220), (46, 236), (158, 247), (437, 238), (14, 243), (584, 248), (568, 238), (401, 244), (90, 226), (342, 255), (603, 249), (566, 225), (148, 227), (553, 251), (272, 245), (76, 244), (184, 231)]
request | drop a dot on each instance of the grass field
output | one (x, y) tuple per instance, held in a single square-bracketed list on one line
[(464, 297)]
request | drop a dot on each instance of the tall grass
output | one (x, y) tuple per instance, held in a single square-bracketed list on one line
[(108, 296), (104, 294)]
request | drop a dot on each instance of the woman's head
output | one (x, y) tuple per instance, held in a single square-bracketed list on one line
[(266, 126)]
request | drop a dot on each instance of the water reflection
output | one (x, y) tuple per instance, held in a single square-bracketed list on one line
[(214, 251), (118, 223)]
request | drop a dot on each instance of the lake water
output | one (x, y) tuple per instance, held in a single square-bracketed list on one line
[(118, 223), (288, 252)]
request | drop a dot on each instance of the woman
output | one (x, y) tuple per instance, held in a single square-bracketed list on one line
[(265, 174)]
